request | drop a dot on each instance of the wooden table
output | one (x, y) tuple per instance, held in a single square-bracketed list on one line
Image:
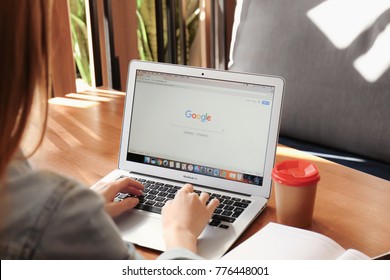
[(82, 141)]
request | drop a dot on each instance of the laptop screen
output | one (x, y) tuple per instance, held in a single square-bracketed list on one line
[(211, 127)]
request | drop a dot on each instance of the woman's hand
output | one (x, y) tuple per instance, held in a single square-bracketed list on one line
[(185, 217), (110, 190)]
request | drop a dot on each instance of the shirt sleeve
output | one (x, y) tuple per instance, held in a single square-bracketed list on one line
[(179, 254), (80, 228)]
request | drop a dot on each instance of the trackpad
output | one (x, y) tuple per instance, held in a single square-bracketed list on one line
[(142, 229)]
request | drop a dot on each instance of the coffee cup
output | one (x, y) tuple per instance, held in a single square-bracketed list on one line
[(295, 185)]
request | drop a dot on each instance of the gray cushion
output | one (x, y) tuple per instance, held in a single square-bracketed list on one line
[(327, 100)]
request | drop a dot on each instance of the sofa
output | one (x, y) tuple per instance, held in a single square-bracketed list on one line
[(336, 69)]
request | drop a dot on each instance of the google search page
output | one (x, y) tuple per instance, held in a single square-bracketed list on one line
[(208, 123)]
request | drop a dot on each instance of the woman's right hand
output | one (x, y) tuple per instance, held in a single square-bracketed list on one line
[(185, 217)]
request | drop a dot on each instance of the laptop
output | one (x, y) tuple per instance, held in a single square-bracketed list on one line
[(215, 129)]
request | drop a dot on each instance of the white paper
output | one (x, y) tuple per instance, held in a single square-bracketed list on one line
[(280, 242)]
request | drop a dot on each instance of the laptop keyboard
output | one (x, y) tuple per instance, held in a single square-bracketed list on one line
[(156, 194)]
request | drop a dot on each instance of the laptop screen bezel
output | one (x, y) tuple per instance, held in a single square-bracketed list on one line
[(199, 179)]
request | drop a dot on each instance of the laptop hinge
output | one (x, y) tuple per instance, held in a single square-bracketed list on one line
[(182, 182)]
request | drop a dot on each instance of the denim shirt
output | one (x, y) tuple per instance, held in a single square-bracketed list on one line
[(47, 216)]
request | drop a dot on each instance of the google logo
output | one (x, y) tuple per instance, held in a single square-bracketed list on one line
[(203, 118)]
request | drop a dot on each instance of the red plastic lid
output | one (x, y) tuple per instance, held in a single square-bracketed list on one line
[(296, 173)]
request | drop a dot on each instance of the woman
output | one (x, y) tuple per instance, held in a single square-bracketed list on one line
[(44, 215)]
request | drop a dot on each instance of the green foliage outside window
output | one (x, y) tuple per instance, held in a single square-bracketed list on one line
[(146, 31), (80, 38)]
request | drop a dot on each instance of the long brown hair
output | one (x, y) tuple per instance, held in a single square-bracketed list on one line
[(24, 72)]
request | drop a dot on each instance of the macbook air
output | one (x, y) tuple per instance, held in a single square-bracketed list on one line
[(215, 129)]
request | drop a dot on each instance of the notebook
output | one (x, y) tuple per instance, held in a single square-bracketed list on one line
[(215, 129)]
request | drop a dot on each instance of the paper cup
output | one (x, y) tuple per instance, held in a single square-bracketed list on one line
[(295, 185)]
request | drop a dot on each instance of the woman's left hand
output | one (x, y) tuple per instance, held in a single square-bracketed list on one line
[(110, 190)]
